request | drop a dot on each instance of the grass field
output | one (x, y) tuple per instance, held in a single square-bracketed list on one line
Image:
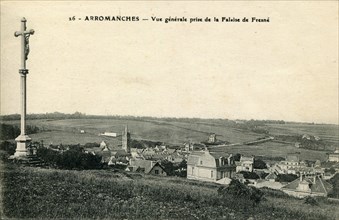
[(326, 132), (178, 132), (273, 149), (168, 132), (102, 194)]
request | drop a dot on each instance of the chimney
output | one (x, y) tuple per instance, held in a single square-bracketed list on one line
[(229, 160), (301, 177), (314, 179)]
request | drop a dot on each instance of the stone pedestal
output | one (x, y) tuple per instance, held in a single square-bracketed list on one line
[(21, 146)]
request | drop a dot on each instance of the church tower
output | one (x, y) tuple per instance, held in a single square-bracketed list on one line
[(126, 136)]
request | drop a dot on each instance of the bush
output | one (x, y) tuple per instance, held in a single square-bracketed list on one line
[(311, 201), (71, 159), (239, 190), (9, 131), (8, 147)]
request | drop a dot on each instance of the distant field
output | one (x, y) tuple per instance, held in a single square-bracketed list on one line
[(68, 131), (273, 149), (326, 132), (176, 133)]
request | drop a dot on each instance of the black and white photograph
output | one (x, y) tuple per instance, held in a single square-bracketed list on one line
[(169, 110)]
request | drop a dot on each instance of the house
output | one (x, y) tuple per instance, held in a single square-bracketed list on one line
[(307, 186), (212, 138), (109, 134), (334, 157), (210, 166), (245, 164), (292, 165), (146, 166), (119, 156), (103, 145)]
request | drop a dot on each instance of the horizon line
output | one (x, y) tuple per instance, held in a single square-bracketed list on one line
[(180, 117)]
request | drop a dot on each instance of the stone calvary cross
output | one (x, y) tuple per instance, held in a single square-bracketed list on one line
[(23, 140)]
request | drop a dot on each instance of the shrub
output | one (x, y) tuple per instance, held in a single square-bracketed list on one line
[(71, 159), (9, 131), (8, 147), (311, 201), (239, 190)]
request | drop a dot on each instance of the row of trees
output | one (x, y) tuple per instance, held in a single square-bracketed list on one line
[(74, 158), (8, 131)]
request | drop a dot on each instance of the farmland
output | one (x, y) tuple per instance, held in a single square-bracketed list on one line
[(177, 132)]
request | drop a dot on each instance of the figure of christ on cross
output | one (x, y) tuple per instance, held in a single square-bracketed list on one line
[(23, 139)]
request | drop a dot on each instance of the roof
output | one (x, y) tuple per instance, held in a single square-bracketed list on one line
[(145, 165), (271, 176), (193, 158), (244, 158), (268, 184), (217, 155), (320, 186), (120, 153)]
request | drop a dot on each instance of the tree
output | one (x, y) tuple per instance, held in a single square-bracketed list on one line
[(236, 157), (168, 166), (335, 183), (286, 177), (249, 175), (259, 164)]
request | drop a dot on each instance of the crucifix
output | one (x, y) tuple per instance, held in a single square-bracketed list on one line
[(23, 140)]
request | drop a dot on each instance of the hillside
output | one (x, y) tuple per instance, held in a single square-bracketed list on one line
[(48, 193)]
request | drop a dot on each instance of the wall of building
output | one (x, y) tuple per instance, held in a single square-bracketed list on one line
[(333, 158), (201, 173), (299, 194)]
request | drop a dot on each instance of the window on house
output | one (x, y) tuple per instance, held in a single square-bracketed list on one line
[(211, 174), (156, 171), (200, 162), (192, 170)]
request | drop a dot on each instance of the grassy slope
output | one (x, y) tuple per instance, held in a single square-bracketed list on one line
[(47, 193)]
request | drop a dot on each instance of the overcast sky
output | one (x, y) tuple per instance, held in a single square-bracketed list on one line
[(286, 69)]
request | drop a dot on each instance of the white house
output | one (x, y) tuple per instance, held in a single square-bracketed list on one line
[(210, 166), (245, 164)]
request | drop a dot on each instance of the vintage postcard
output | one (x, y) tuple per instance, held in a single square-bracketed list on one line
[(169, 110)]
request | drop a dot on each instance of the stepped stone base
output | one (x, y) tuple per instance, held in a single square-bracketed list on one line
[(29, 160)]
